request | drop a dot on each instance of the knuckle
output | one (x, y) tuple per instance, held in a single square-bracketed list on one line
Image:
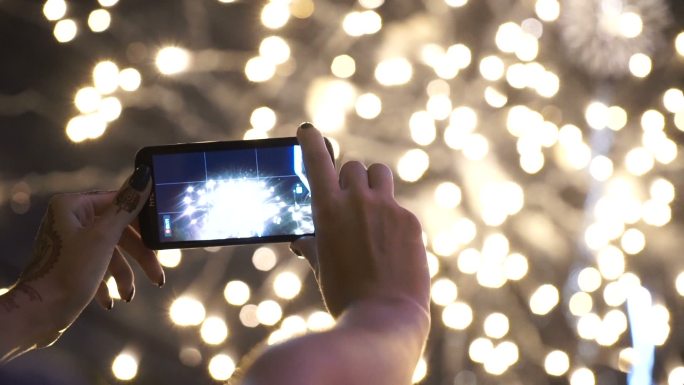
[(411, 220), (326, 209)]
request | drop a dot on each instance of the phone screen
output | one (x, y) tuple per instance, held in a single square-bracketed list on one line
[(233, 193)]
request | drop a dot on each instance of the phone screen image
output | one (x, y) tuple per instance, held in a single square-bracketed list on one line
[(238, 193)]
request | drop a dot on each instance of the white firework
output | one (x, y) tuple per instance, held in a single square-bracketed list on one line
[(601, 35)]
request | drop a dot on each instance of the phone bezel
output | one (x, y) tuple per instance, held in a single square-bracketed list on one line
[(149, 226)]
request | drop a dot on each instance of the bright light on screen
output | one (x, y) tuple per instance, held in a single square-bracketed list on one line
[(240, 193)]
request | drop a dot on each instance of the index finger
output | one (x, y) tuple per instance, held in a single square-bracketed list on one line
[(320, 169)]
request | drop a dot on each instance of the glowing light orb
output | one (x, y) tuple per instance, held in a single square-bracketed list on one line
[(496, 325), (221, 367), (582, 376), (597, 115), (125, 367), (652, 120), (640, 65), (516, 267), (99, 20), (320, 321), (633, 241), (580, 303), (394, 72), (368, 106), (214, 330), (422, 128), (448, 195), (444, 291), (110, 108), (264, 258), (457, 315), (679, 43), (673, 100), (275, 49), (544, 299), (412, 165), (479, 349), (54, 9), (187, 311), (492, 68), (287, 285), (129, 79), (547, 10), (557, 363), (87, 99), (343, 66), (172, 60), (630, 25), (275, 14), (601, 168), (236, 293), (65, 30), (269, 312), (248, 316), (456, 3), (169, 258), (263, 118)]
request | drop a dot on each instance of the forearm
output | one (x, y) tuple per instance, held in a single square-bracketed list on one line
[(372, 343)]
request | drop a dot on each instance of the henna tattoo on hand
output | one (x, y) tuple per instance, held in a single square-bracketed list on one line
[(9, 300), (48, 246), (46, 251), (127, 199)]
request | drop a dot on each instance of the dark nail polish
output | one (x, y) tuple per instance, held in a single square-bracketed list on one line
[(111, 304), (306, 125), (140, 177), (161, 280), (130, 296)]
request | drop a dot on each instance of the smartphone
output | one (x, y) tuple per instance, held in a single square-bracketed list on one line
[(226, 193)]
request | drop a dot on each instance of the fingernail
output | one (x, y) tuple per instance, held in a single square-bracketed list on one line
[(140, 177), (296, 252), (161, 280), (306, 125), (111, 304), (130, 296)]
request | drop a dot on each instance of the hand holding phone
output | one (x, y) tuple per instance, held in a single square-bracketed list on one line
[(224, 193)]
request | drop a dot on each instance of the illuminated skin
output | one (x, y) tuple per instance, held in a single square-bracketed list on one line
[(85, 233), (371, 267)]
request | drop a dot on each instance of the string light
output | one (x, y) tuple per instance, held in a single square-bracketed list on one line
[(65, 30), (172, 60), (125, 367), (54, 9), (221, 367), (99, 20)]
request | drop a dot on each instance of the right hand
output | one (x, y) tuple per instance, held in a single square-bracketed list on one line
[(367, 248)]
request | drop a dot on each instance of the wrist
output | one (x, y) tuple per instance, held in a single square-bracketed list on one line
[(36, 310), (389, 314)]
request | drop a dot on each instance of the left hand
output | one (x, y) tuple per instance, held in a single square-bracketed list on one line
[(81, 239)]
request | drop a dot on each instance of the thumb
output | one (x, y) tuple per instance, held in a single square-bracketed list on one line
[(306, 247), (129, 200)]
